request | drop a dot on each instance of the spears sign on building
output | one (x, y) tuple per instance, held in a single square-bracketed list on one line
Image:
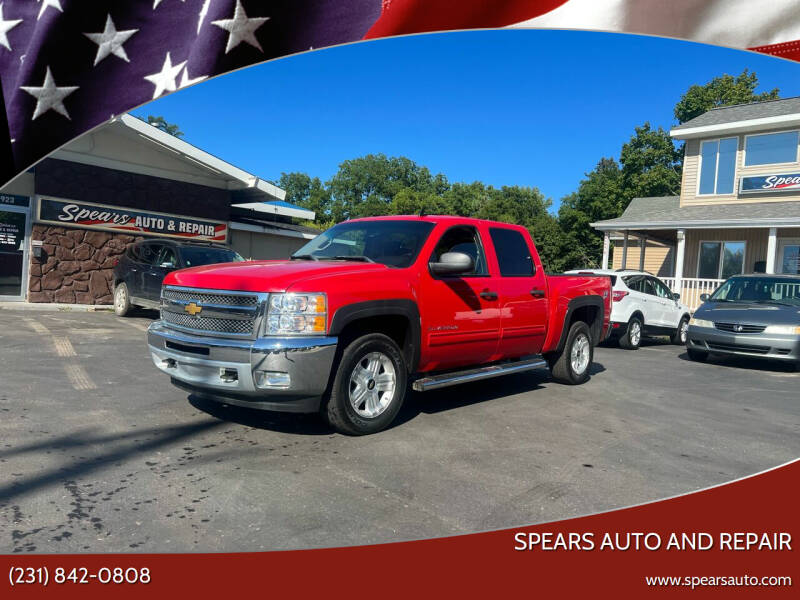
[(783, 182), (122, 220)]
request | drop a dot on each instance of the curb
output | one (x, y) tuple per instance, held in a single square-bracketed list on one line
[(53, 307)]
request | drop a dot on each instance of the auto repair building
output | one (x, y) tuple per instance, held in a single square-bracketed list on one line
[(64, 222)]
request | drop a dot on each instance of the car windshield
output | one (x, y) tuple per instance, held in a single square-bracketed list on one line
[(760, 290), (195, 256), (389, 242)]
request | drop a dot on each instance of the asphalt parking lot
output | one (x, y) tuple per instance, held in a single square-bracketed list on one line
[(99, 453)]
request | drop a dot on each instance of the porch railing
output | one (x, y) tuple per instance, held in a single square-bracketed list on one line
[(693, 288)]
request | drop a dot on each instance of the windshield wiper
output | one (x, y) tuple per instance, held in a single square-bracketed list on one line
[(359, 257), (303, 257)]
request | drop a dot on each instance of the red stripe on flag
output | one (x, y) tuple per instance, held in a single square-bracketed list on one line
[(414, 16), (790, 50)]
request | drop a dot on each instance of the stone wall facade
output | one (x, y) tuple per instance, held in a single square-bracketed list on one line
[(76, 264)]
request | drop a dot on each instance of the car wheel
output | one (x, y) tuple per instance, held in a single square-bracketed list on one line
[(369, 386), (681, 333), (122, 300), (697, 355), (633, 335), (571, 365)]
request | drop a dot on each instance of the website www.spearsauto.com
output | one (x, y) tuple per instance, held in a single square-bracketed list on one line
[(695, 581)]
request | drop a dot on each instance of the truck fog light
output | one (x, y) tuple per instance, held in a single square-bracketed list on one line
[(272, 379), (169, 363), (229, 375)]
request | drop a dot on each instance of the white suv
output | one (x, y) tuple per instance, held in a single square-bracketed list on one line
[(642, 304)]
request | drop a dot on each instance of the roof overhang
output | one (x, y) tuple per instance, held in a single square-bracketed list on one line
[(696, 224), (751, 125), (273, 208), (215, 172)]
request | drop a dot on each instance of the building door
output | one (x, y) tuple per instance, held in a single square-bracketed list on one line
[(14, 223), (789, 256)]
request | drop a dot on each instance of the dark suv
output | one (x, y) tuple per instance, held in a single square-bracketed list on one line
[(141, 270)]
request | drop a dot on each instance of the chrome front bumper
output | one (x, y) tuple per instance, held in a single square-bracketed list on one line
[(771, 346), (285, 374)]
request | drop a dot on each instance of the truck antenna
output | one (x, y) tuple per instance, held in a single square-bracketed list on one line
[(421, 212)]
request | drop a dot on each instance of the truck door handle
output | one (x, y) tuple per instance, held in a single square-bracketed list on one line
[(487, 295), (537, 293)]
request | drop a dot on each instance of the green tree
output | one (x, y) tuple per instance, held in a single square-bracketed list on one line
[(162, 124), (599, 196), (726, 90), (367, 185), (651, 165), (308, 192)]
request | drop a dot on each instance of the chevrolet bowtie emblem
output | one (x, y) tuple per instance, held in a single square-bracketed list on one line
[(193, 309)]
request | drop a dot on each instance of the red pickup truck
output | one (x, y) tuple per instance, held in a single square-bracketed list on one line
[(370, 305)]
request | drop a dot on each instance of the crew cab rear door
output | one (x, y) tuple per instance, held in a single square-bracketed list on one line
[(460, 313), (523, 293)]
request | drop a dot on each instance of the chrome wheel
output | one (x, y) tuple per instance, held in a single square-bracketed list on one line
[(579, 355), (635, 333), (372, 385), (684, 331)]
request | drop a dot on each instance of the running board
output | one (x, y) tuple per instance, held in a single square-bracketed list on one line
[(455, 377)]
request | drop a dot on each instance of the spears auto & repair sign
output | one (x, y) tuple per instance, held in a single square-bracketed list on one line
[(784, 182), (123, 220)]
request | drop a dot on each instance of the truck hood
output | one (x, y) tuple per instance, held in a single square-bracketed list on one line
[(264, 275), (762, 314)]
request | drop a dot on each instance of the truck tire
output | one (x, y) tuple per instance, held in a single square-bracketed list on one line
[(369, 386), (122, 300), (681, 333), (571, 364), (697, 355), (633, 335)]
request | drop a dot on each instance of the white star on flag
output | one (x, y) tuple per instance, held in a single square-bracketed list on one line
[(202, 16), (49, 96), (110, 41), (185, 80), (240, 28), (157, 2), (164, 80), (5, 27), (53, 3)]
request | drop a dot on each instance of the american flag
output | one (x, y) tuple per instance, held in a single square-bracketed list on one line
[(67, 66)]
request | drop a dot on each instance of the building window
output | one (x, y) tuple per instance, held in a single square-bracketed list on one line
[(771, 148), (720, 260), (718, 166)]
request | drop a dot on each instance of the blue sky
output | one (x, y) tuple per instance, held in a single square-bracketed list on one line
[(511, 107)]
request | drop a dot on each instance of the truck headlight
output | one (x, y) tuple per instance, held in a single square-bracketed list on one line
[(782, 329), (700, 322), (296, 314)]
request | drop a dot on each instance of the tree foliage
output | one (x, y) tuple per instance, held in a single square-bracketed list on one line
[(162, 124), (725, 90)]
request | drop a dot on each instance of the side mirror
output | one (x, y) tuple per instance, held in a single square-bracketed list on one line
[(452, 263), (676, 296), (704, 297)]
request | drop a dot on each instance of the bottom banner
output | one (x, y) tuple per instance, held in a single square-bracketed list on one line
[(738, 537)]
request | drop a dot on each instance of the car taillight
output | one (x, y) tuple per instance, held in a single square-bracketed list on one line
[(619, 295), (116, 262)]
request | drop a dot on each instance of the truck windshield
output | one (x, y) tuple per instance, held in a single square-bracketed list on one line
[(195, 256), (392, 243), (760, 290)]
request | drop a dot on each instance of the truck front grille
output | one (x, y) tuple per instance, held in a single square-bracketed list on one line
[(211, 312), (740, 327), (210, 297)]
